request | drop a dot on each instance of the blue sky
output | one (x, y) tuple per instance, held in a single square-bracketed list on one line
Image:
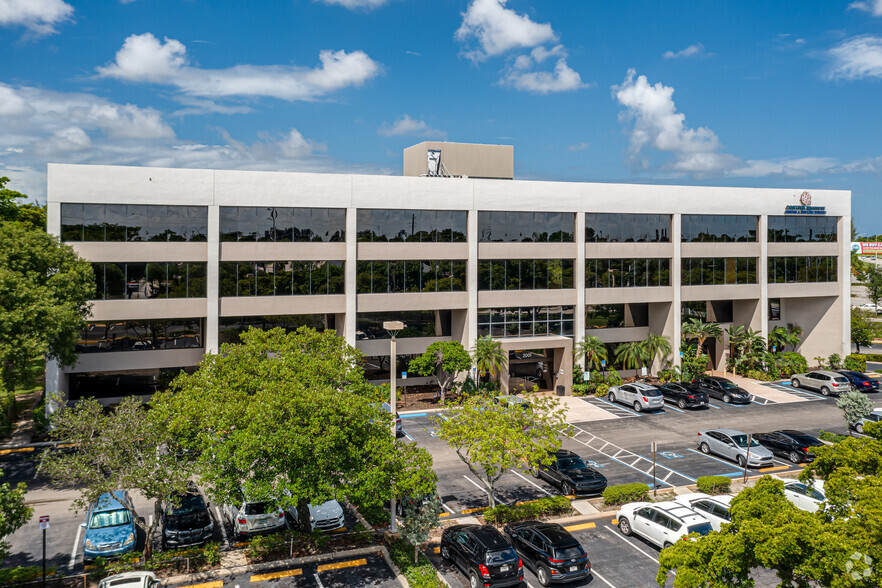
[(742, 93)]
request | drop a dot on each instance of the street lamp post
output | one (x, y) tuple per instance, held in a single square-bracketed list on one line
[(393, 328)]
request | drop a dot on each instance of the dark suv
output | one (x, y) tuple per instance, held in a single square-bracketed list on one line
[(684, 394), (482, 553), (723, 389), (550, 551), (568, 472), (186, 520)]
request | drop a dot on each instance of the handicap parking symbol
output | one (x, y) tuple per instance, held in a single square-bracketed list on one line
[(670, 454), (593, 464)]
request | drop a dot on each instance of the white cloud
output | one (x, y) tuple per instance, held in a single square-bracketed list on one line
[(498, 29), (405, 125), (39, 16), (856, 58), (356, 4), (578, 147), (874, 7), (696, 50), (562, 79), (144, 58)]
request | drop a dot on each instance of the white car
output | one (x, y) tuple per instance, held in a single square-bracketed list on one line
[(324, 517), (637, 395), (131, 580), (253, 518), (661, 523), (803, 496), (714, 508)]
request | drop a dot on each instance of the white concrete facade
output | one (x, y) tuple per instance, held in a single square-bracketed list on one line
[(822, 309)]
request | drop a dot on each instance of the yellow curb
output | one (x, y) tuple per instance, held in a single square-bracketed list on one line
[(16, 450), (580, 527), (614, 521), (343, 564), (217, 584), (775, 469), (271, 576), (444, 514), (470, 510)]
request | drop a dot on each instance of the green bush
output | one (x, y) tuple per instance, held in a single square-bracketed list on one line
[(20, 575), (831, 437), (624, 493), (419, 575), (377, 516), (613, 378), (761, 376), (262, 546), (502, 515), (793, 363), (834, 360), (872, 356), (581, 389), (713, 484), (601, 390), (855, 362)]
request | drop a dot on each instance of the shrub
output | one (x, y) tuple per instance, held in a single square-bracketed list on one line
[(20, 575), (613, 378), (855, 362), (872, 356), (419, 575), (581, 389), (713, 484), (377, 516), (794, 363), (601, 390), (624, 493), (761, 376), (502, 514), (262, 546), (831, 437), (834, 360)]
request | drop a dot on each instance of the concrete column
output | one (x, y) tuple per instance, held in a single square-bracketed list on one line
[(579, 283), (762, 274), (844, 265), (212, 306), (56, 382), (472, 278), (676, 280), (349, 270)]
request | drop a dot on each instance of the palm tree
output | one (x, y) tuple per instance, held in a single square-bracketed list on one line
[(631, 355), (796, 331), (656, 345), (694, 328), (752, 344), (488, 356), (736, 334), (780, 338), (593, 350)]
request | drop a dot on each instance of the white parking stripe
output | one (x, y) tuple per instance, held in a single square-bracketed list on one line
[(537, 486), (73, 553), (318, 581), (602, 579), (622, 537), (484, 490), (447, 508)]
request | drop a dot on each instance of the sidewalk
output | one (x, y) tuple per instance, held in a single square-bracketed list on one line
[(23, 429), (757, 389)]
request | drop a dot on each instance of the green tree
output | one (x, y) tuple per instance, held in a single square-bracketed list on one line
[(418, 523), (736, 335), (695, 328), (862, 329), (14, 513), (45, 290), (444, 360), (854, 406), (656, 346), (780, 338), (492, 437), (874, 285), (288, 418), (126, 448), (632, 355), (488, 355), (30, 214), (593, 350)]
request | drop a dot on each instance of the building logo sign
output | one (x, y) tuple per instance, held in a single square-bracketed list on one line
[(805, 206)]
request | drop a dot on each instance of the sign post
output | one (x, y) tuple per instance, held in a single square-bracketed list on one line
[(44, 524), (747, 457), (654, 479)]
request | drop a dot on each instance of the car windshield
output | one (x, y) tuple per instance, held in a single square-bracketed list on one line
[(571, 552), (110, 518), (495, 558), (728, 386), (700, 528), (189, 504), (571, 463), (741, 441), (257, 508)]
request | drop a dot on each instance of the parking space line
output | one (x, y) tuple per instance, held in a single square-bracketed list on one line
[(581, 527), (73, 553), (602, 446), (342, 564), (625, 539), (666, 407), (712, 405), (447, 508), (410, 416), (276, 575), (628, 410), (318, 581), (537, 486), (601, 578), (665, 479), (407, 435)]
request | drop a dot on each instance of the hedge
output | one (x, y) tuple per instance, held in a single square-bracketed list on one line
[(872, 356), (502, 514), (855, 362), (21, 575), (624, 493), (420, 575), (831, 437), (713, 484)]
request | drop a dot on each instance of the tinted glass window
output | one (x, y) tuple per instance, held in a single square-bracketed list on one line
[(231, 328), (501, 557), (110, 518), (802, 229), (572, 552), (627, 228), (627, 273), (426, 226), (803, 269), (141, 335), (149, 280), (718, 271), (281, 278), (718, 228), (601, 316), (529, 227), (700, 528), (417, 323), (282, 224), (525, 321), (129, 222), (258, 508), (702, 505), (382, 277), (525, 274)]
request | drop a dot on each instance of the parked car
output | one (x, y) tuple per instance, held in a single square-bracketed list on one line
[(513, 400), (110, 529), (327, 516), (571, 474), (398, 430), (714, 508), (549, 551), (873, 417), (131, 580), (482, 553), (661, 523), (250, 518), (825, 382), (405, 505), (861, 382), (186, 519), (794, 445), (684, 394), (723, 389), (732, 444), (637, 395), (804, 496)]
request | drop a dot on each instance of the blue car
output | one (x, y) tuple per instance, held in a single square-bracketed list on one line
[(110, 530), (861, 382)]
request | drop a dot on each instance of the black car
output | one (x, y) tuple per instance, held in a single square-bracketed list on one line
[(186, 520), (684, 394), (482, 553), (568, 472), (722, 389), (861, 382), (793, 445), (549, 551)]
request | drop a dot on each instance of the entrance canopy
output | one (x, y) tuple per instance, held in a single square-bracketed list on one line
[(559, 351)]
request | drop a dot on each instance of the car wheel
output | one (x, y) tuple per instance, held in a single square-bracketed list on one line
[(535, 472), (794, 382), (611, 397), (739, 459), (681, 403), (667, 544), (859, 428), (637, 407), (704, 448), (795, 457), (825, 391), (473, 580), (566, 489), (543, 576), (727, 399), (445, 552), (625, 527)]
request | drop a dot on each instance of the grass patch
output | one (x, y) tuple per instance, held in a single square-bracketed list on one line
[(419, 575)]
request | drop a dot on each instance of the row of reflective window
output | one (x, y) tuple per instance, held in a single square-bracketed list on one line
[(627, 273), (415, 226), (281, 278), (717, 271), (282, 225), (627, 228), (133, 222), (116, 281), (146, 335), (417, 323), (525, 274), (803, 229), (526, 227), (230, 328), (525, 321), (803, 269), (718, 228), (386, 277)]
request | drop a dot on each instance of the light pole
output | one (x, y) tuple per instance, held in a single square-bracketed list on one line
[(393, 328)]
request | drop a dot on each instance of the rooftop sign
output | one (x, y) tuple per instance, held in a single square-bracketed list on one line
[(804, 206)]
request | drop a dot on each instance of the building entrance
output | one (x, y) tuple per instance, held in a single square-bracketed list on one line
[(529, 368)]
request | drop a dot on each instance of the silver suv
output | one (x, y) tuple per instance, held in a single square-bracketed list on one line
[(825, 382), (732, 444), (662, 523), (637, 395)]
